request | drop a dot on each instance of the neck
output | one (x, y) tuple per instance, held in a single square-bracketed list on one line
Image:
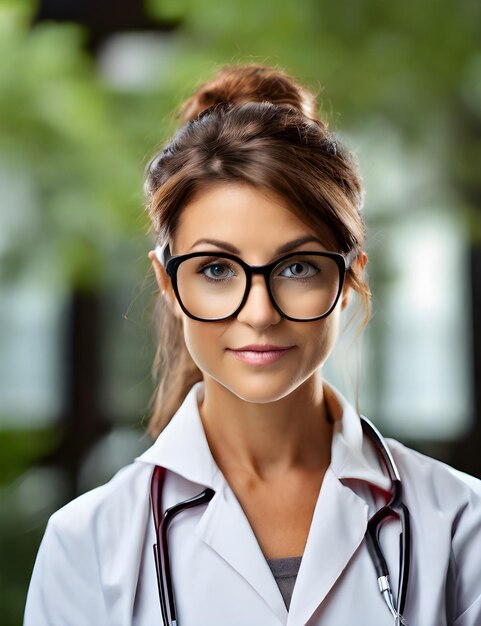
[(266, 440)]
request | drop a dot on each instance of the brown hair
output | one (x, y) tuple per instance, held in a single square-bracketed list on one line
[(256, 125)]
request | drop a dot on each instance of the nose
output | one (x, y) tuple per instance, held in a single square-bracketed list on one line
[(258, 310)]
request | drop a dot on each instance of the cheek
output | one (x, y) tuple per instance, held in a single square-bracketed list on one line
[(203, 341), (320, 340)]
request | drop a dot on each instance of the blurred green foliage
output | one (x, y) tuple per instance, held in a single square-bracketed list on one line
[(19, 451), (60, 137), (74, 147), (410, 59)]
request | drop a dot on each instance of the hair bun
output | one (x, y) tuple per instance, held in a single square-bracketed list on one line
[(249, 83)]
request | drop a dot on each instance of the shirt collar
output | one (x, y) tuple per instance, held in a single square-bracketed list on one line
[(182, 446)]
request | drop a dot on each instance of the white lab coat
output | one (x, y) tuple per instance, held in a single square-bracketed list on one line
[(95, 565)]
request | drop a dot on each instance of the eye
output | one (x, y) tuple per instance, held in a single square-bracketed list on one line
[(217, 271), (300, 269)]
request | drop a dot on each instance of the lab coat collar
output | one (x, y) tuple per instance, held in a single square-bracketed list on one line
[(182, 446), (353, 455)]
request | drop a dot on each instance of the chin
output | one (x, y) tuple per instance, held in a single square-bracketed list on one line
[(259, 389)]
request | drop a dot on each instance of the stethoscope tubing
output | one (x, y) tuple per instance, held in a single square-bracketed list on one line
[(161, 547), (395, 507)]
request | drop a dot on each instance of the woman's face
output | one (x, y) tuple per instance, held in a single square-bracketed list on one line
[(257, 223)]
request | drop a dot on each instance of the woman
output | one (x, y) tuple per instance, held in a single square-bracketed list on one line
[(290, 475)]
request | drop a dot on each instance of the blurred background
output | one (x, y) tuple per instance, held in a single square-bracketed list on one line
[(87, 90)]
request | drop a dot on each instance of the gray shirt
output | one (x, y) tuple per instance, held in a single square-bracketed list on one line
[(285, 572)]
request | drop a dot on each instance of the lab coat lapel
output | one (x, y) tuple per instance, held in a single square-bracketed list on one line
[(225, 528), (337, 530), (340, 517)]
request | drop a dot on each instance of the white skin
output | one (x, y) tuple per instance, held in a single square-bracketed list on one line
[(266, 424)]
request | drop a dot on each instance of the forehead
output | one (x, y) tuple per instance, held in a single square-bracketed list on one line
[(256, 221)]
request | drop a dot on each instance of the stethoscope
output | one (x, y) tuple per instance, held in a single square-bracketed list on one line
[(395, 507)]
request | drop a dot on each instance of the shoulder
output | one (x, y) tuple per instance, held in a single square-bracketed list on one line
[(90, 554), (441, 499), (114, 503), (445, 506), (424, 472)]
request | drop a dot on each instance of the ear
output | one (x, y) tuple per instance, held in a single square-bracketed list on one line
[(360, 261), (165, 285)]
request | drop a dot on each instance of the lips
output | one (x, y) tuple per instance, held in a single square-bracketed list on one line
[(261, 348), (260, 354)]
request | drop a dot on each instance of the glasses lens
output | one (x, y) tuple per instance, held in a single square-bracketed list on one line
[(211, 287), (305, 286)]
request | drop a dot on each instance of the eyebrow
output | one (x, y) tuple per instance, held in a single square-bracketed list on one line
[(286, 247)]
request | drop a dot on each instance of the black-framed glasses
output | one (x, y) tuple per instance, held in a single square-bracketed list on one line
[(302, 286)]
